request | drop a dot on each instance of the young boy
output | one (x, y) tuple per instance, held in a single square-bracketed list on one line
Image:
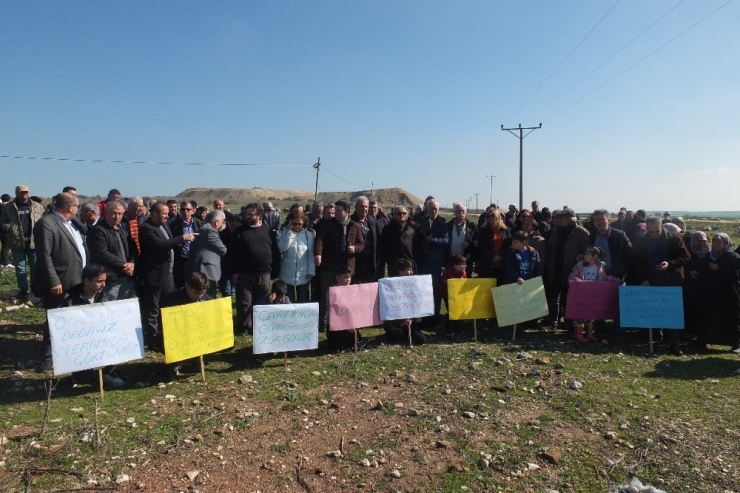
[(523, 261), (340, 340), (397, 330), (278, 294), (89, 292), (456, 269)]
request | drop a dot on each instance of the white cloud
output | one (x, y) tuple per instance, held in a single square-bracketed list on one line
[(707, 172)]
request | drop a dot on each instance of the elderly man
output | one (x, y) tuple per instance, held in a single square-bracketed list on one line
[(317, 212), (133, 217), (463, 236), (113, 194), (397, 241), (111, 246), (89, 214), (339, 242), (250, 262), (186, 223), (565, 248), (377, 212), (616, 252), (61, 255), (366, 265), (154, 269), (270, 216), (219, 205), (431, 250), (660, 257), (18, 219), (207, 250)]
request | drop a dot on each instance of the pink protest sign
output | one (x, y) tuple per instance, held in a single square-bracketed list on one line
[(354, 307), (593, 300)]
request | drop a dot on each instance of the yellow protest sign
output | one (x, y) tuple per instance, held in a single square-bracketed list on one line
[(470, 298), (197, 328), (519, 303)]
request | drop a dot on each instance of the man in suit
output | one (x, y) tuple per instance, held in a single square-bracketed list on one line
[(207, 250), (154, 269), (112, 247), (61, 255), (186, 223), (366, 264)]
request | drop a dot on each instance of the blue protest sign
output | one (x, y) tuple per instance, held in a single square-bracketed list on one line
[(651, 307)]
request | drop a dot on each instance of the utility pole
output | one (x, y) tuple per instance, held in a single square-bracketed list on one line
[(490, 195), (521, 162), (316, 167), (476, 201)]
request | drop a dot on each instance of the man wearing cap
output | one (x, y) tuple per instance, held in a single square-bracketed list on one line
[(565, 248), (112, 195), (17, 220)]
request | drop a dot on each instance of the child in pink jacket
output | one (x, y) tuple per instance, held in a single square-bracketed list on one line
[(591, 268)]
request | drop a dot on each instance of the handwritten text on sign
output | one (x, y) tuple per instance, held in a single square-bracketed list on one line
[(470, 298), (405, 297), (354, 306), (280, 328), (93, 336), (648, 307), (197, 328), (518, 303), (593, 300)]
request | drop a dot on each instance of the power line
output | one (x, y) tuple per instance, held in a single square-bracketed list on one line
[(343, 179), (564, 60), (642, 59), (111, 161), (608, 59)]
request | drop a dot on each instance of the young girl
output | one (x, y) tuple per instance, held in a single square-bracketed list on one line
[(591, 268)]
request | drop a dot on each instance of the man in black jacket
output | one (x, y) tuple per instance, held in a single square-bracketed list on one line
[(366, 264), (249, 258), (186, 223), (154, 269), (111, 246)]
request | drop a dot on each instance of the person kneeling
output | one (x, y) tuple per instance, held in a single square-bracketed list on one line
[(398, 330)]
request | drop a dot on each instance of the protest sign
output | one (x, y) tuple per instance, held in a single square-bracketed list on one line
[(93, 336), (405, 297), (593, 300), (282, 328), (354, 306), (518, 303), (195, 329), (648, 307), (470, 298)]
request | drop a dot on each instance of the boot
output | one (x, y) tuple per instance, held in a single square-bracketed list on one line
[(579, 332)]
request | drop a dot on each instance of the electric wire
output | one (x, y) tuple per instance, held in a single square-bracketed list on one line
[(115, 161)]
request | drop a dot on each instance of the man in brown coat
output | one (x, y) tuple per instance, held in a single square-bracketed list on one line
[(338, 242), (565, 248)]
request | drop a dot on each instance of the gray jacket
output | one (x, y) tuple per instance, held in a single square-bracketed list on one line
[(206, 251)]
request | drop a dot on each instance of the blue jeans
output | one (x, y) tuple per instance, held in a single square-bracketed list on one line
[(19, 259)]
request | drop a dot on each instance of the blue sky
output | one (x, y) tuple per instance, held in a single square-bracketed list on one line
[(390, 93)]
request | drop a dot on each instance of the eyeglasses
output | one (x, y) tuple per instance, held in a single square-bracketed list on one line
[(185, 209)]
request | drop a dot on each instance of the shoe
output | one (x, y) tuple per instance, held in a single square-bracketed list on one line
[(113, 380), (8, 266), (735, 350), (676, 351), (45, 366)]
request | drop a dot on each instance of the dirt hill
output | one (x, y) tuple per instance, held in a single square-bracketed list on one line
[(385, 196)]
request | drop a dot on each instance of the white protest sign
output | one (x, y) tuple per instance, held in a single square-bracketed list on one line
[(93, 336), (405, 297), (282, 328)]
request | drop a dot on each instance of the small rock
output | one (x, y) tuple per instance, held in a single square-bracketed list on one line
[(552, 456), (198, 437), (398, 405), (378, 406), (455, 468), (396, 473), (443, 444), (122, 478), (523, 355), (411, 377), (192, 474), (484, 463), (412, 412), (542, 361), (334, 453), (575, 385), (532, 466), (559, 366), (218, 431), (737, 372), (509, 384), (364, 462), (468, 414), (534, 372), (474, 365), (316, 373), (244, 379), (610, 435)]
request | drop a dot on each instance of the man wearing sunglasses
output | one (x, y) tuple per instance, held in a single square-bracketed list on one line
[(186, 223)]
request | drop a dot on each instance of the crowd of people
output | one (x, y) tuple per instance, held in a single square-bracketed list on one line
[(169, 253)]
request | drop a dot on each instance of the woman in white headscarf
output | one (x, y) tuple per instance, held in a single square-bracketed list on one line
[(719, 284)]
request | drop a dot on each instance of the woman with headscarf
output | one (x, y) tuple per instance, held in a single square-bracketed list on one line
[(699, 248), (719, 288)]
